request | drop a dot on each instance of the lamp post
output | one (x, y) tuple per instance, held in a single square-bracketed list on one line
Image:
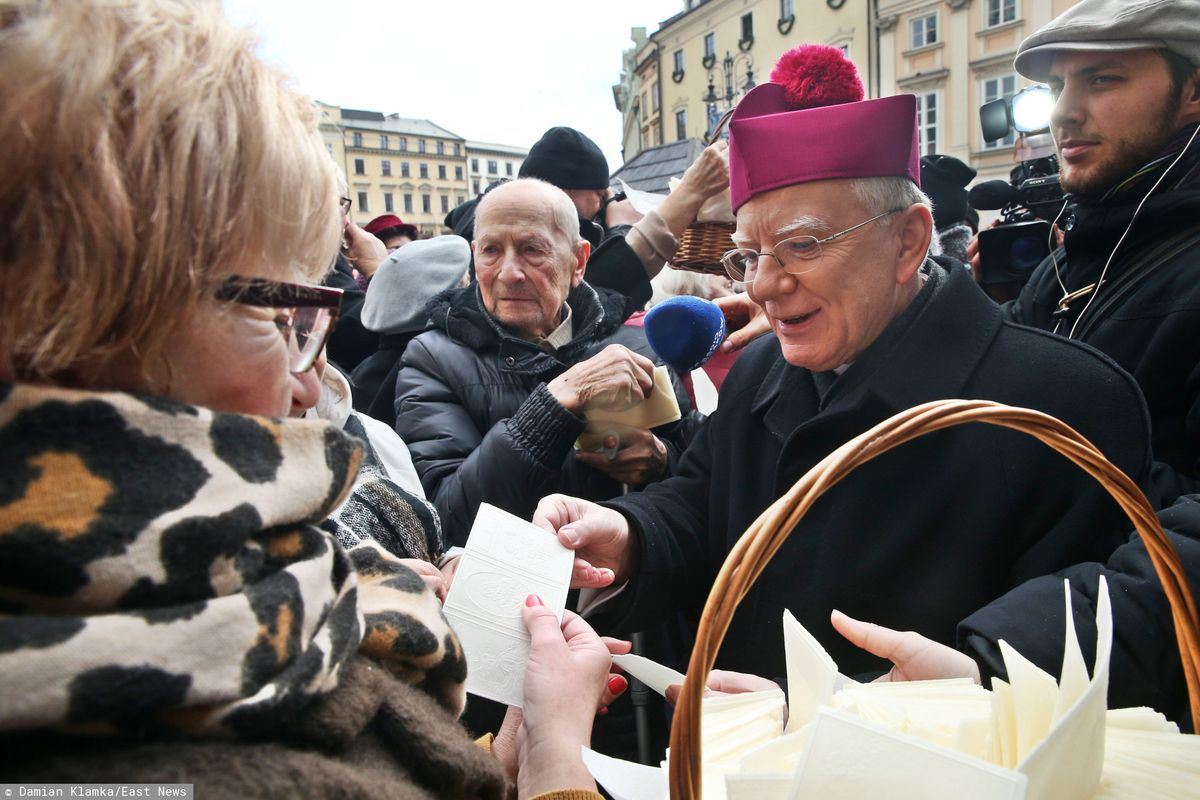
[(730, 65)]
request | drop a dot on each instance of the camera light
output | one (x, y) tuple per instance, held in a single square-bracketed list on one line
[(1031, 109)]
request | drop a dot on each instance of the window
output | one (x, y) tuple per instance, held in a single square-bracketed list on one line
[(360, 167), (508, 168), (408, 204), (678, 62), (748, 27), (923, 31), (423, 170), (477, 186), (994, 89), (385, 167), (420, 145), (403, 169), (403, 142), (441, 148), (681, 124), (710, 45), (655, 97), (457, 149), (445, 203), (474, 165), (329, 147), (787, 9), (459, 199), (362, 202), (389, 204), (442, 171), (356, 139), (383, 142), (927, 123), (458, 174), (493, 168), (1001, 11), (426, 208)]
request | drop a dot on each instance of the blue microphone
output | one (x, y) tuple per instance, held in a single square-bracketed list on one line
[(685, 331)]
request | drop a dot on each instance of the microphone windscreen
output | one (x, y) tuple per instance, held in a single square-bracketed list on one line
[(991, 195), (685, 331)]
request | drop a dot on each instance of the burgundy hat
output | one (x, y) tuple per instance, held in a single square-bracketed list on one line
[(810, 123), (386, 225)]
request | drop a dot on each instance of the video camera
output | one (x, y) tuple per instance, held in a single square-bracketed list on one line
[(1029, 201)]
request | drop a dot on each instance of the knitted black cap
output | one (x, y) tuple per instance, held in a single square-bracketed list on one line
[(567, 159), (943, 179)]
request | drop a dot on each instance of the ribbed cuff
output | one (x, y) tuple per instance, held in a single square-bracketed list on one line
[(569, 794), (544, 428)]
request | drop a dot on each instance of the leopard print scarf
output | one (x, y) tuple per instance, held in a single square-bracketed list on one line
[(162, 571)]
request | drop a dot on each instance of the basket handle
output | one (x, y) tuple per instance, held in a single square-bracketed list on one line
[(766, 535), (720, 126)]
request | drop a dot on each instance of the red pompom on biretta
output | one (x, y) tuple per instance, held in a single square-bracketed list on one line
[(814, 75)]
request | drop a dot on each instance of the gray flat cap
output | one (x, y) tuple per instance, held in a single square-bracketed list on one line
[(1099, 25), (409, 278)]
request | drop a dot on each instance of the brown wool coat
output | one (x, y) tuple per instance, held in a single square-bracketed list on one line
[(374, 736)]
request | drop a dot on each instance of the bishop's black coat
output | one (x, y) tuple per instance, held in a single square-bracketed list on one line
[(921, 536)]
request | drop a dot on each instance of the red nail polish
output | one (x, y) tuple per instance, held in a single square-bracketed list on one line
[(533, 600), (603, 710), (617, 684)]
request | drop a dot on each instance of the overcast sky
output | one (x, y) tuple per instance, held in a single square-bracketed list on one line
[(487, 71)]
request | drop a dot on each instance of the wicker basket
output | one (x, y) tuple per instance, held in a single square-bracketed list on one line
[(764, 537), (703, 243)]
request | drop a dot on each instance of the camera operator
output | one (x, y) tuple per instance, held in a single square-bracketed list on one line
[(1125, 120)]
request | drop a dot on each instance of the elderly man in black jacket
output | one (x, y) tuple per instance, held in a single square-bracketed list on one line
[(491, 401), (833, 240)]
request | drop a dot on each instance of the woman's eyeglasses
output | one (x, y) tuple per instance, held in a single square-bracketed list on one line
[(306, 314)]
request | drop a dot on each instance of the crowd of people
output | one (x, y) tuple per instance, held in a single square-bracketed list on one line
[(244, 440)]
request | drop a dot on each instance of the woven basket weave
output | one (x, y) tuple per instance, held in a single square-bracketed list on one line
[(703, 243), (765, 536)]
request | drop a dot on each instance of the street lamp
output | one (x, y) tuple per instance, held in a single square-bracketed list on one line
[(729, 87)]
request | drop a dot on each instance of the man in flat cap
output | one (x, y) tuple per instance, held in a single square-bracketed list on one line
[(832, 238), (1125, 120)]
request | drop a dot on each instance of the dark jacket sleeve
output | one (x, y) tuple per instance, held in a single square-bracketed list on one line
[(615, 266), (1146, 668), (350, 342), (670, 522), (514, 463)]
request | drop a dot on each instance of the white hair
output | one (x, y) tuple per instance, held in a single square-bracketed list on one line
[(878, 195)]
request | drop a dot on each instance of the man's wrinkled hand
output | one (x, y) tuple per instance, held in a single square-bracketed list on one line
[(637, 456), (616, 378)]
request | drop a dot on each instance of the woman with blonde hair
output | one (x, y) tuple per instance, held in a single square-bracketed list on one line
[(170, 610)]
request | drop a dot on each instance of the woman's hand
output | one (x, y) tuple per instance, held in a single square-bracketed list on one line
[(430, 574), (565, 680), (914, 657), (722, 681)]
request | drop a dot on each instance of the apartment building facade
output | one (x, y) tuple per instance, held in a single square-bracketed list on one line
[(953, 55)]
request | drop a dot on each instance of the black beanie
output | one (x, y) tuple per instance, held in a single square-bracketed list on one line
[(567, 159), (943, 178)]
